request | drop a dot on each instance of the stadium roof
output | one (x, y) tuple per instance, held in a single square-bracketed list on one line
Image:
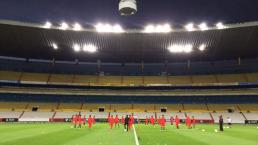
[(27, 40)]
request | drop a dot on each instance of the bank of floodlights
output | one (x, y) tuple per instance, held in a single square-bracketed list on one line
[(108, 28), (166, 28)]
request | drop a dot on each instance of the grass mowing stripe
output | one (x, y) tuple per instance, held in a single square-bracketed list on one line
[(135, 136)]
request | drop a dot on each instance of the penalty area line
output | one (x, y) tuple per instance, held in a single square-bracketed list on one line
[(135, 136)]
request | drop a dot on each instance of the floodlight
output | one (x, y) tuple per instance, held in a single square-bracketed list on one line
[(64, 26), (220, 25), (89, 48), (190, 27), (117, 29), (77, 27), (47, 25), (202, 47), (187, 48), (55, 46), (76, 47), (203, 27), (149, 29), (176, 48)]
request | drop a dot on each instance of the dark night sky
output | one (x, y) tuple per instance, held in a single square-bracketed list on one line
[(176, 12)]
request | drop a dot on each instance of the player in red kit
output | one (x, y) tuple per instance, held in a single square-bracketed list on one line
[(74, 121), (116, 121), (171, 120), (90, 122), (193, 121), (131, 121), (146, 120), (177, 122), (188, 122), (111, 121), (152, 120), (122, 120), (163, 122)]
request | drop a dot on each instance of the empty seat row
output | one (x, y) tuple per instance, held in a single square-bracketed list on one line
[(125, 80)]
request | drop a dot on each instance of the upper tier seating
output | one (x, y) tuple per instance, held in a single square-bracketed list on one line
[(222, 107), (248, 107), (69, 107), (45, 107), (93, 80), (169, 107), (121, 108), (10, 76), (11, 106), (195, 107), (143, 108), (34, 77)]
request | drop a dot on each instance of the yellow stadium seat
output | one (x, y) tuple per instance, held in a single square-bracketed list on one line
[(180, 80), (252, 77), (88, 107), (155, 80), (195, 108), (13, 106), (70, 107), (204, 79), (85, 80), (121, 107), (249, 107), (169, 107), (61, 79), (143, 108), (110, 80), (34, 77), (43, 106), (11, 76), (133, 80), (222, 107), (231, 78)]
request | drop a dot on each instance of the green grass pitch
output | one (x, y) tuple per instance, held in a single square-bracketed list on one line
[(100, 134)]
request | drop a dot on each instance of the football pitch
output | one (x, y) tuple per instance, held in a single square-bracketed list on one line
[(100, 134)]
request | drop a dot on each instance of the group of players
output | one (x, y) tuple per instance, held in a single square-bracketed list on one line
[(77, 121), (114, 121), (190, 123)]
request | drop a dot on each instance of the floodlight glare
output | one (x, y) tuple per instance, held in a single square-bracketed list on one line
[(188, 48), (157, 29), (55, 46), (202, 47), (77, 27), (180, 48), (149, 29), (203, 27), (89, 48), (76, 47), (64, 26), (47, 25), (107, 28), (117, 29), (220, 25), (190, 27)]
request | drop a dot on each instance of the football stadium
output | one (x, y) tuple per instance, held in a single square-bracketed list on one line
[(106, 84)]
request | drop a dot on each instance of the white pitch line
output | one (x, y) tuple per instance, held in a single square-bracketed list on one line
[(135, 136)]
